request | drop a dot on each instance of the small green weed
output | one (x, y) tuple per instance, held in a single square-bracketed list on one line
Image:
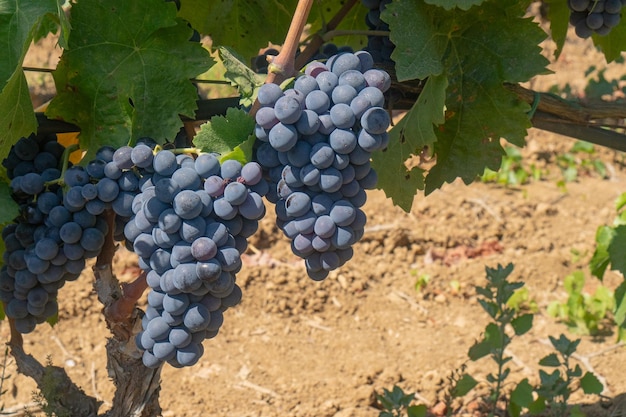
[(494, 299), (556, 387), (396, 403), (580, 159), (512, 172), (586, 314)]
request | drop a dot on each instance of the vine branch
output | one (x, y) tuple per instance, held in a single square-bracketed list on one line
[(282, 65), (138, 387), (318, 39), (61, 394)]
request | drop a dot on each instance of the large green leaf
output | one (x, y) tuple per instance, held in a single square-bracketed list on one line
[(238, 23), (420, 33), (414, 132), (19, 21), (467, 46), (240, 75), (126, 73)]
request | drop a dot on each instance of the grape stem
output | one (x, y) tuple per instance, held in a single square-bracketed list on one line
[(66, 161), (318, 39), (123, 307), (283, 65), (196, 151), (64, 397)]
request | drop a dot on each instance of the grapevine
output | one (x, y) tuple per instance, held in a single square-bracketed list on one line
[(311, 134)]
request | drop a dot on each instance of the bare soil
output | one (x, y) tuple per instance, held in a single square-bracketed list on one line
[(295, 347)]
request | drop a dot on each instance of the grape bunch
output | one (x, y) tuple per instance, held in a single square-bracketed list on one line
[(188, 220), (599, 16), (314, 141), (48, 242), (380, 47), (190, 225)]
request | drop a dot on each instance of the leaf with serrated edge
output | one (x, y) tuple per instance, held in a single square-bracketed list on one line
[(238, 23), (127, 72), (591, 384), (222, 134), (17, 19), (420, 33), (467, 47), (242, 153), (451, 4), (407, 138), (240, 75), (17, 22)]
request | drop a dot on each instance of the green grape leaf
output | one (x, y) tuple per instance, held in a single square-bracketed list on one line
[(17, 118), (558, 15), (407, 138), (617, 248), (612, 44), (19, 22), (450, 4), (238, 23), (591, 384), (420, 34), (242, 152), (126, 72), (240, 75), (222, 134), (397, 181), (467, 47), (9, 209)]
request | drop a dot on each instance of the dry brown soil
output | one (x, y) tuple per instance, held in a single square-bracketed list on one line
[(299, 348)]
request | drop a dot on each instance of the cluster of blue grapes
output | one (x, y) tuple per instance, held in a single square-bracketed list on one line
[(55, 232), (189, 226), (380, 47), (188, 219), (599, 16), (315, 142)]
